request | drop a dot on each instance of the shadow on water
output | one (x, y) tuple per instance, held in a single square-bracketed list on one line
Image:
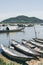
[(15, 60)]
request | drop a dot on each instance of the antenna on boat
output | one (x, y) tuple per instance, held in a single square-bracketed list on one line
[(35, 31)]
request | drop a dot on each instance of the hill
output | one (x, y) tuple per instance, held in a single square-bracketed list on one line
[(23, 19)]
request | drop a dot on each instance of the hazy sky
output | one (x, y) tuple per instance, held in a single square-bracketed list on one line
[(12, 8)]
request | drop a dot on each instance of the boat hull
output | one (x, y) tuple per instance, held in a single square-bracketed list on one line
[(38, 40), (13, 54), (15, 30), (15, 57), (25, 50), (37, 44)]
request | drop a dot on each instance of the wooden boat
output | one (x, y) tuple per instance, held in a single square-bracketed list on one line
[(39, 50), (23, 49), (27, 44), (10, 29), (36, 44), (15, 54), (38, 40)]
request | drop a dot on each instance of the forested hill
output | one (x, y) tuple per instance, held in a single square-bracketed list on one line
[(23, 19)]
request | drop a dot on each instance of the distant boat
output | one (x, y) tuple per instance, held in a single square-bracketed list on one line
[(41, 24), (38, 40), (37, 44), (21, 25), (15, 54), (23, 49), (27, 44), (9, 28)]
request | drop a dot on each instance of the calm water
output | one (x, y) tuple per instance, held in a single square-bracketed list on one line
[(28, 33)]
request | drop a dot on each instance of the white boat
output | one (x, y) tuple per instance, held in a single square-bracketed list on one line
[(23, 49), (10, 28), (15, 54)]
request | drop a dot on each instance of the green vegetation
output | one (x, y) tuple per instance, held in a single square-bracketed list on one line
[(22, 19), (3, 62)]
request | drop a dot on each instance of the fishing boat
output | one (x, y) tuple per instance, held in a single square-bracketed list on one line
[(9, 28), (37, 44), (12, 53), (27, 44), (23, 49), (38, 40), (39, 50)]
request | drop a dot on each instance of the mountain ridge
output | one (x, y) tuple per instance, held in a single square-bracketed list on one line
[(22, 19)]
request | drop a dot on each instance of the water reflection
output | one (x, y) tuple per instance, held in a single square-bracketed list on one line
[(27, 34)]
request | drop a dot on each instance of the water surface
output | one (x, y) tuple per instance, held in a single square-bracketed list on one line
[(28, 33)]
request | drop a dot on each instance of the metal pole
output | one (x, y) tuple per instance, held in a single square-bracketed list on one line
[(9, 39), (35, 32)]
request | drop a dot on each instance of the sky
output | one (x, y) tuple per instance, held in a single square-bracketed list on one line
[(13, 8)]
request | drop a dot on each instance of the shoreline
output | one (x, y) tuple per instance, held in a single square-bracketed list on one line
[(31, 62)]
